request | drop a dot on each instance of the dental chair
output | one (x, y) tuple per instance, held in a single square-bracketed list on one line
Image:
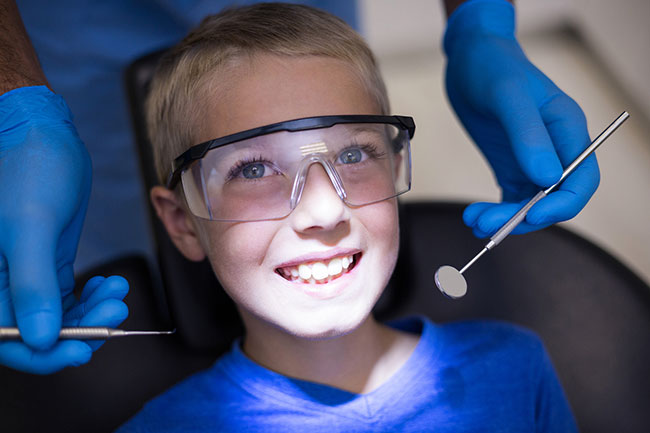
[(592, 313)]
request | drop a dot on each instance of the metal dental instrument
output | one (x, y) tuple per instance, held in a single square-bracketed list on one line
[(451, 282), (84, 333)]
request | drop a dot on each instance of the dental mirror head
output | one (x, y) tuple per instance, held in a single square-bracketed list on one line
[(450, 282)]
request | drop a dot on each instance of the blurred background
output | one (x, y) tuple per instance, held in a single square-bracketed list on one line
[(597, 51)]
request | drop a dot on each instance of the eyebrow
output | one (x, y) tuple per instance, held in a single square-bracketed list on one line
[(366, 128), (377, 132)]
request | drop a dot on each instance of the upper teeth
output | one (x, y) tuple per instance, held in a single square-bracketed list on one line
[(318, 271)]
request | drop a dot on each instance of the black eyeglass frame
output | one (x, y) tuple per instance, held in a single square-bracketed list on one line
[(198, 151)]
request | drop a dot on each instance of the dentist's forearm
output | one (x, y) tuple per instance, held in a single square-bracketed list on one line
[(19, 64)]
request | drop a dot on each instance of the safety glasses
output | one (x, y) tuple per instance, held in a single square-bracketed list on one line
[(259, 174)]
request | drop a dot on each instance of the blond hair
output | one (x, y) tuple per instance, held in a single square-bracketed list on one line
[(174, 102)]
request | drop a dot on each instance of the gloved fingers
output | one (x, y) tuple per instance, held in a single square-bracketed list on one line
[(486, 219), (96, 290), (6, 306), (529, 139), (558, 206), (100, 305), (66, 283), (63, 354), (65, 275), (516, 192), (76, 309), (109, 313), (90, 287), (113, 287), (567, 127), (571, 197), (69, 301), (35, 291), (474, 211)]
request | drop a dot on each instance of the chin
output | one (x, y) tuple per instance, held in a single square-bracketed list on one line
[(324, 325)]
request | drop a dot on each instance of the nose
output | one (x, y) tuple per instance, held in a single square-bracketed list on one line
[(320, 207)]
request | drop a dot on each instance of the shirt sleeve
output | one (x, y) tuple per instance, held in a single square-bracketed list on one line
[(552, 410)]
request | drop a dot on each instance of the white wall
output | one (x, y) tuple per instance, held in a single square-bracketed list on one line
[(618, 31)]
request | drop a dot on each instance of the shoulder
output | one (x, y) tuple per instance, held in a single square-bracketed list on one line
[(489, 336), (492, 369), (471, 335), (477, 343), (489, 347), (496, 357)]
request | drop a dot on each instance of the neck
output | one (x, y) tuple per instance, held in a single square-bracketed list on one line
[(357, 362)]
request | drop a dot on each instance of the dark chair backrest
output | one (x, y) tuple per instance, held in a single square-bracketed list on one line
[(590, 310), (205, 317)]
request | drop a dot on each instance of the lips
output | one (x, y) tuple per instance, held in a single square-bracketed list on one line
[(319, 271)]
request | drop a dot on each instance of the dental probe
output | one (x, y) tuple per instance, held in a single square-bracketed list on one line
[(84, 333), (451, 282)]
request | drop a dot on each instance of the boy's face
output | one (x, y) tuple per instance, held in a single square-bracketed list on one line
[(253, 260)]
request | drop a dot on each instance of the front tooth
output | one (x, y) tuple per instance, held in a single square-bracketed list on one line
[(335, 267), (319, 271), (304, 272)]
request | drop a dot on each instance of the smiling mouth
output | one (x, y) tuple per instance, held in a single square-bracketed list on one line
[(319, 272)]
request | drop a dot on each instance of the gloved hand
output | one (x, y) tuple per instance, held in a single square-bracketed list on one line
[(100, 304), (45, 177), (527, 128)]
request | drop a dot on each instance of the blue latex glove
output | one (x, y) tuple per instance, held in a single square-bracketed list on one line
[(100, 304), (527, 128), (45, 177)]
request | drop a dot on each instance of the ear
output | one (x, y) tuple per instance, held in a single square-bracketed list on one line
[(178, 222)]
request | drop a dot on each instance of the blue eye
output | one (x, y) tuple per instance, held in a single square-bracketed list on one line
[(351, 156), (253, 171)]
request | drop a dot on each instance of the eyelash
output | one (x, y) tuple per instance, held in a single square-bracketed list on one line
[(369, 149), (236, 170)]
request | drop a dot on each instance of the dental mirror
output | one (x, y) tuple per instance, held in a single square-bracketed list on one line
[(452, 283)]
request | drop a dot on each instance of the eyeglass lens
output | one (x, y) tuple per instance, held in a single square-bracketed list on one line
[(253, 179)]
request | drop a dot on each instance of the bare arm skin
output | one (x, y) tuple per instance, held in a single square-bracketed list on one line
[(19, 64)]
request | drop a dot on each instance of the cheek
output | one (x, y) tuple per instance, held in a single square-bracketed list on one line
[(236, 251), (381, 222)]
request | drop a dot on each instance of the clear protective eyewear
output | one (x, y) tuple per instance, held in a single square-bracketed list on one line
[(259, 174)]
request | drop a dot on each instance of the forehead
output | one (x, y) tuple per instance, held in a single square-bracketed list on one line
[(268, 89)]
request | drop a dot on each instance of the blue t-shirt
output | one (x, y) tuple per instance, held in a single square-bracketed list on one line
[(84, 48), (474, 376)]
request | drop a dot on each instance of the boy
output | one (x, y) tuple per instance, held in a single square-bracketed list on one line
[(299, 221)]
